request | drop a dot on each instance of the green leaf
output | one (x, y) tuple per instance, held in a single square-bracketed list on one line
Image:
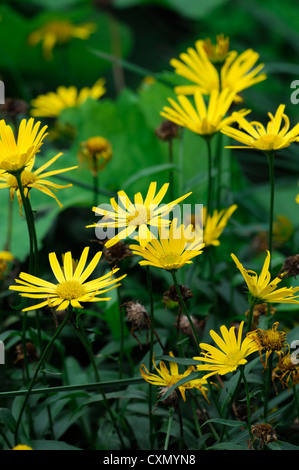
[(52, 445), (226, 422), (7, 419)]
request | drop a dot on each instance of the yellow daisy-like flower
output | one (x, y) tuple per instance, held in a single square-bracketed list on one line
[(16, 154), (231, 352), (97, 151), (176, 247), (166, 378), (5, 258), (22, 447), (59, 32), (212, 226), (140, 215), (71, 288), (270, 340), (254, 135), (35, 179), (53, 103), (202, 119), (237, 73), (262, 289)]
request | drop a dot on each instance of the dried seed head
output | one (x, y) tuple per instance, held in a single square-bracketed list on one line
[(138, 318), (167, 131), (258, 311), (290, 267), (171, 400), (264, 432), (183, 325), (117, 252), (31, 353), (13, 107), (171, 297)]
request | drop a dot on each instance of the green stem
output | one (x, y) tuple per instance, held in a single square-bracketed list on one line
[(82, 337), (219, 170), (37, 370), (150, 401), (295, 393), (247, 401), (267, 385), (170, 420), (173, 274), (270, 158), (121, 325), (31, 227), (171, 181), (95, 181), (210, 175), (250, 315)]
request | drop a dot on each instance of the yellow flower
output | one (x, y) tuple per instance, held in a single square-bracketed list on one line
[(230, 354), (262, 289), (16, 154), (212, 226), (138, 215), (237, 73), (5, 257), (22, 447), (97, 151), (34, 179), (217, 52), (270, 340), (254, 135), (202, 119), (176, 247), (53, 103), (59, 32), (71, 288), (167, 378)]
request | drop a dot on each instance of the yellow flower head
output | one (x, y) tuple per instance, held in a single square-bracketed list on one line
[(212, 226), (35, 179), (176, 247), (217, 53), (139, 215), (97, 151), (15, 154), (166, 378), (22, 447), (262, 289), (269, 340), (254, 135), (230, 354), (5, 258), (71, 288), (53, 103), (202, 119), (237, 73), (59, 32)]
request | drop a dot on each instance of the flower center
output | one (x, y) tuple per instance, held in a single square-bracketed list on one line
[(27, 178), (273, 340), (233, 358), (268, 142), (170, 260), (70, 290), (97, 145), (140, 216)]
